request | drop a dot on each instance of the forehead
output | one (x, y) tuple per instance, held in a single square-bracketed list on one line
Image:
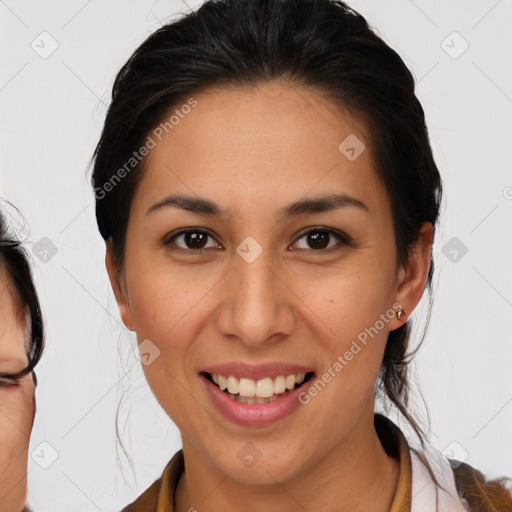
[(14, 325), (11, 304), (269, 140)]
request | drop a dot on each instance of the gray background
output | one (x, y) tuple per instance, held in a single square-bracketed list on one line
[(52, 107)]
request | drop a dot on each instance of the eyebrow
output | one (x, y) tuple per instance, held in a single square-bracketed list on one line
[(321, 204), (189, 203), (206, 207)]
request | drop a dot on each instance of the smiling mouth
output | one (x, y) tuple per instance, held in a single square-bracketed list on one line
[(262, 391)]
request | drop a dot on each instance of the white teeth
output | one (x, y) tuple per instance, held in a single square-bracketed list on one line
[(253, 400), (247, 388), (232, 385), (279, 385), (264, 388), (290, 382), (261, 391), (222, 382)]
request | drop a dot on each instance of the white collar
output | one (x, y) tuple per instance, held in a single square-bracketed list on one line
[(425, 494)]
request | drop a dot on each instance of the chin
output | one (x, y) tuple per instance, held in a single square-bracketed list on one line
[(247, 464)]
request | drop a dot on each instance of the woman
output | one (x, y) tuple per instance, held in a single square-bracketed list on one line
[(21, 346), (268, 197)]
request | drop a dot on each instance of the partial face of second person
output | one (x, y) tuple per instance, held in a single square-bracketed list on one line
[(16, 400), (254, 151)]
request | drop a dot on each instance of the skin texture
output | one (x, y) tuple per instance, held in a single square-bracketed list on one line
[(254, 150), (16, 403)]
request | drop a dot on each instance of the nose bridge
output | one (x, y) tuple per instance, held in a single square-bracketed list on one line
[(256, 307)]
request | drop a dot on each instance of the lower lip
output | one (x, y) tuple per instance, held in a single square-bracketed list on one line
[(256, 415)]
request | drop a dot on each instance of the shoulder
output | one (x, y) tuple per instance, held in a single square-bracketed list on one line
[(160, 494), (479, 493), (147, 501), (455, 486)]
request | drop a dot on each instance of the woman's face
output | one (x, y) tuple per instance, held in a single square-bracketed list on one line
[(259, 290), (16, 402)]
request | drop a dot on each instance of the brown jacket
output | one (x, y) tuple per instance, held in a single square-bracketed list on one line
[(476, 493)]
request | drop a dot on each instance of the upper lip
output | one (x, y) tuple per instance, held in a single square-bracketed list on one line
[(255, 371)]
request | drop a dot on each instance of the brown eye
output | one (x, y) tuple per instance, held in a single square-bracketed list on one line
[(192, 240), (319, 239), (195, 240)]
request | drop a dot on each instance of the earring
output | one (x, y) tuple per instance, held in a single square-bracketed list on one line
[(401, 313)]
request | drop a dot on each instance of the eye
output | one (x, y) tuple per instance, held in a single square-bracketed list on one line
[(192, 239), (6, 382), (321, 239)]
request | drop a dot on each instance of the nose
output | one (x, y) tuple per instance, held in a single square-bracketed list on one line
[(257, 306)]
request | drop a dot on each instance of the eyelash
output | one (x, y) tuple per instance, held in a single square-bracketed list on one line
[(6, 382), (342, 237)]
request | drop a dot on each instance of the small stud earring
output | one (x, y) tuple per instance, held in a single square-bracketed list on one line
[(401, 313)]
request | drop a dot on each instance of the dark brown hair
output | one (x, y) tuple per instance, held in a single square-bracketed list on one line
[(14, 261)]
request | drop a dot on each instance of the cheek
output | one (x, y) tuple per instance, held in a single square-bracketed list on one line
[(161, 302), (355, 309), (168, 314), (349, 301), (16, 413), (161, 314)]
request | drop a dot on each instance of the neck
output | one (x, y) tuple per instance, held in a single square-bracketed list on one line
[(356, 475)]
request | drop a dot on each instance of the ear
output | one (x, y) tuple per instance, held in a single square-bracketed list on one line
[(118, 288), (412, 277)]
